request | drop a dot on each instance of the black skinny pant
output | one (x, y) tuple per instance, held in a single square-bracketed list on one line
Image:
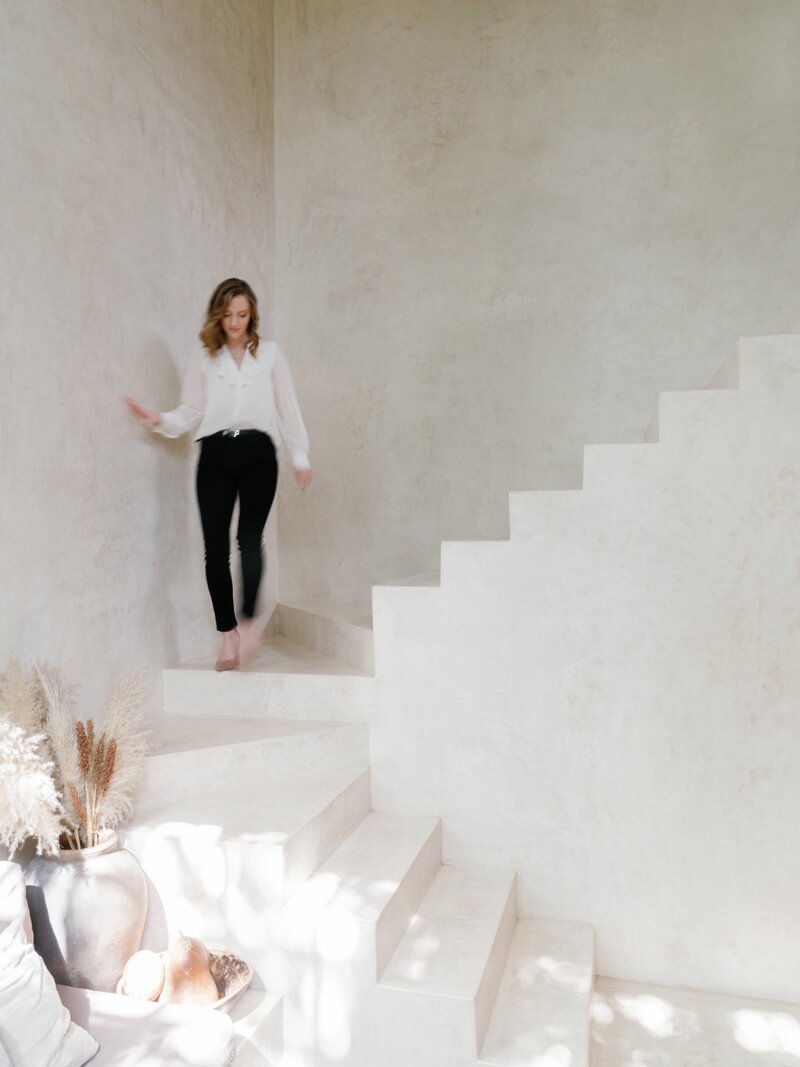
[(245, 466)]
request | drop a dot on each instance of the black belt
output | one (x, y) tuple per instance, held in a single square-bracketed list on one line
[(234, 433)]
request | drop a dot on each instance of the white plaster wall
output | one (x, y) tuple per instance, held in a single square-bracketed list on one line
[(607, 702), (136, 174), (502, 227)]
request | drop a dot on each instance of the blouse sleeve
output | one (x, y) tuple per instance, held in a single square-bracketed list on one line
[(290, 420), (187, 415)]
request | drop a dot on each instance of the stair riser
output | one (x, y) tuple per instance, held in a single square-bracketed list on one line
[(495, 964), (431, 1031), (309, 848), (360, 902), (303, 696), (341, 1021), (583, 1059), (349, 643), (370, 945), (544, 997), (209, 771), (395, 918), (455, 950)]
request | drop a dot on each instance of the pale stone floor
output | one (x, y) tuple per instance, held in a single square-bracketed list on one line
[(635, 1025)]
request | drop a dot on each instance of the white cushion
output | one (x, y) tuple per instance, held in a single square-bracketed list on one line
[(135, 1033), (12, 898), (35, 1027)]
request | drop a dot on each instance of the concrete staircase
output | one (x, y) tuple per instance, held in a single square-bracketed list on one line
[(602, 701), (257, 836), (256, 824)]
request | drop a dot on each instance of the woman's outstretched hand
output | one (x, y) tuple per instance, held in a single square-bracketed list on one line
[(303, 477), (147, 418)]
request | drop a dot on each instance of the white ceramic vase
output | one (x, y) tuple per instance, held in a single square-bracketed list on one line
[(88, 909)]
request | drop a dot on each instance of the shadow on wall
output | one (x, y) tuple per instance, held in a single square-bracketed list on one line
[(173, 512)]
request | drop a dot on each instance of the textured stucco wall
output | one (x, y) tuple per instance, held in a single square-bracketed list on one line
[(502, 228), (136, 161)]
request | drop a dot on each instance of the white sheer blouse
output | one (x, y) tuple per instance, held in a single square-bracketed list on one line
[(218, 395)]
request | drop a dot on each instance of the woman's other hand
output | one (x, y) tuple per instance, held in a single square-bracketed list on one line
[(147, 418), (303, 477)]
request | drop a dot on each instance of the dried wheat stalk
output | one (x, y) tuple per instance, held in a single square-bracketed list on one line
[(97, 770)]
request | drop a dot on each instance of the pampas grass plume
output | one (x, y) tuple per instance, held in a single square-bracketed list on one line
[(21, 701), (59, 723), (45, 754), (28, 799), (124, 723)]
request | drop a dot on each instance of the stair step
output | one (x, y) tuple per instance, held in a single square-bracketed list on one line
[(202, 754), (280, 655), (457, 943), (287, 680), (649, 1024), (340, 630), (276, 815), (222, 867), (370, 887), (542, 1011)]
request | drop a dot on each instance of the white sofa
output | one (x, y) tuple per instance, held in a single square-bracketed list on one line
[(42, 1025)]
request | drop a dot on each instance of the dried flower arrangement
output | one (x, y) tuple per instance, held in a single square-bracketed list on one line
[(62, 780)]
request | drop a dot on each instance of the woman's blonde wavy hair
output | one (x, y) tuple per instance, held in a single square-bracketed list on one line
[(212, 334)]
